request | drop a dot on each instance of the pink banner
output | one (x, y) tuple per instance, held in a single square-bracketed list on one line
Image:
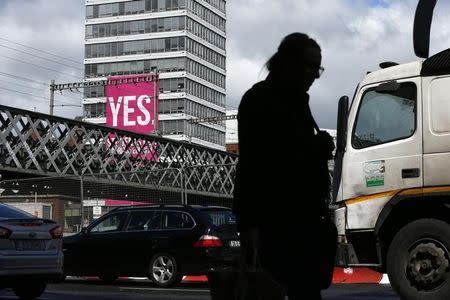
[(130, 103)]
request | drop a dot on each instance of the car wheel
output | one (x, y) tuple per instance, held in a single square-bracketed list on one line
[(418, 260), (30, 291), (108, 278), (164, 270)]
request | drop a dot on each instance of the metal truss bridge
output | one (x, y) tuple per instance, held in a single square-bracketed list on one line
[(42, 145)]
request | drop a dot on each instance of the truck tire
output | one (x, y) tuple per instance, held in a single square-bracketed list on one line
[(418, 260)]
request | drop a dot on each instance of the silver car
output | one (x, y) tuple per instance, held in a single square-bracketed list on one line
[(30, 252)]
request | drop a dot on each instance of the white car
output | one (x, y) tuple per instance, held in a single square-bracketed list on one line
[(30, 252)]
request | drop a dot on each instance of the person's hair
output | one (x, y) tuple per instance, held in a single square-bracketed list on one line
[(291, 49)]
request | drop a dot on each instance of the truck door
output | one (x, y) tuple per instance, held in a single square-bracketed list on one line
[(436, 132), (384, 148)]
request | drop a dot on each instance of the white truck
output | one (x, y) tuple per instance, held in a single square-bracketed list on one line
[(391, 185)]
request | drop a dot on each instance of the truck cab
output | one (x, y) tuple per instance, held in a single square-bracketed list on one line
[(392, 173)]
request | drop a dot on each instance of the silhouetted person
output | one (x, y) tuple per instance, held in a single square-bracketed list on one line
[(282, 178)]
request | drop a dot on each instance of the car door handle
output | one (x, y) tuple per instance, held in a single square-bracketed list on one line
[(410, 173)]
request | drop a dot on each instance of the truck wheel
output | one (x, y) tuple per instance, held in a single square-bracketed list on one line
[(418, 260)]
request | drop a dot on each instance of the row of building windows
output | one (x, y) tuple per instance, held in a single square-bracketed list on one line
[(165, 86), (154, 25), (135, 27), (206, 73), (172, 85), (172, 127), (219, 4), (205, 33), (206, 53), (135, 47), (135, 67), (195, 130), (146, 66), (132, 7), (166, 106), (155, 46), (94, 110), (200, 111), (203, 92), (172, 106), (206, 14), (206, 133)]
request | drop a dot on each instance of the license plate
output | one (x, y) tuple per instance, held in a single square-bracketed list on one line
[(235, 243), (29, 245)]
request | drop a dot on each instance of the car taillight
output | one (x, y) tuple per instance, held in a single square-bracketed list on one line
[(208, 241), (57, 232), (4, 233)]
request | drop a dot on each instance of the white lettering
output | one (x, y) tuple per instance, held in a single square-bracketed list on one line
[(115, 109), (144, 110), (128, 110)]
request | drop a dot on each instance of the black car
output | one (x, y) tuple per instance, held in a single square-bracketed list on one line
[(162, 242)]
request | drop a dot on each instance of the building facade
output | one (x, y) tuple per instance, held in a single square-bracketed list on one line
[(183, 39)]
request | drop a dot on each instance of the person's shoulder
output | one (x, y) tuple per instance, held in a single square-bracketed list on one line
[(255, 92), (259, 87)]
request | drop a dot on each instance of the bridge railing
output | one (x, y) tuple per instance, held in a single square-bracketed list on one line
[(44, 145)]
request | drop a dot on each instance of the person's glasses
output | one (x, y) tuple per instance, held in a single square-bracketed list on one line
[(315, 68), (321, 70)]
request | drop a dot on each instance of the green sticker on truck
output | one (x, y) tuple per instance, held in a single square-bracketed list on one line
[(374, 173)]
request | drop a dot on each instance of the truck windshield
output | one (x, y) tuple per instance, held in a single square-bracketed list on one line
[(385, 117)]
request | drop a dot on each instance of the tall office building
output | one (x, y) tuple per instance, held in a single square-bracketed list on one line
[(183, 39)]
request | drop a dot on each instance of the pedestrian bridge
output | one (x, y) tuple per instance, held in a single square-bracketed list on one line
[(42, 145)]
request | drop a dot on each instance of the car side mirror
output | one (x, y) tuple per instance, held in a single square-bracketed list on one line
[(84, 230)]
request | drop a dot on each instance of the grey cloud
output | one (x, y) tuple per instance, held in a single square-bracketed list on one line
[(53, 26), (354, 38)]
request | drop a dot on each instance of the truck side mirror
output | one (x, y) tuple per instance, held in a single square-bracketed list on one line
[(341, 134), (341, 141)]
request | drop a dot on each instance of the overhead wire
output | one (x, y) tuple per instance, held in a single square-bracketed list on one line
[(39, 66), (40, 57), (32, 95), (35, 88), (22, 78), (46, 52)]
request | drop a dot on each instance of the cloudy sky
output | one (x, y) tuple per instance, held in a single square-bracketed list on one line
[(42, 40)]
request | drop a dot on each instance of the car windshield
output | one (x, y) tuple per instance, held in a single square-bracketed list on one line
[(10, 212), (221, 217)]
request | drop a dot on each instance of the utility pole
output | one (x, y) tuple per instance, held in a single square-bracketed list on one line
[(52, 96), (155, 98)]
